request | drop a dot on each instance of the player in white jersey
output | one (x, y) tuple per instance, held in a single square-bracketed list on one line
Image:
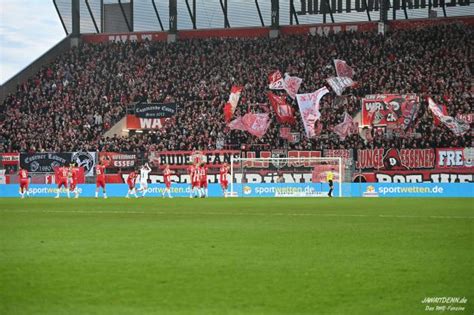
[(144, 171)]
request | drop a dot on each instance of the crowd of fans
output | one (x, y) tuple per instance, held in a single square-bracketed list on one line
[(70, 104)]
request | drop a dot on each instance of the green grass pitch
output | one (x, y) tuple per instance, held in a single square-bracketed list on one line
[(235, 256)]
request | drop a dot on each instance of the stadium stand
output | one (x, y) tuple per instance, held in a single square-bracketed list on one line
[(70, 103)]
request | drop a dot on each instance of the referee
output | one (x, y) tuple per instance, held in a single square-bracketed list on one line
[(329, 179)]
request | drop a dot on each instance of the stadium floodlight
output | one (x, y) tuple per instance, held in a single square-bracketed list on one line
[(286, 176)]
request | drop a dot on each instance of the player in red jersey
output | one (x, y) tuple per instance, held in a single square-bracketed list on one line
[(131, 181), (24, 181), (62, 180), (191, 172), (73, 180), (223, 172), (203, 180), (167, 179), (100, 179), (196, 181)]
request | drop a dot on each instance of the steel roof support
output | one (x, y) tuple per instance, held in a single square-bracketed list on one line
[(293, 13), (224, 8), (192, 14), (259, 13), (60, 17), (92, 16), (157, 14), (130, 27)]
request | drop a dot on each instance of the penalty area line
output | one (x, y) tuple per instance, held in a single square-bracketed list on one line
[(180, 213)]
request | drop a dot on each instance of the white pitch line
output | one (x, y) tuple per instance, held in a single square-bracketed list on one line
[(238, 214)]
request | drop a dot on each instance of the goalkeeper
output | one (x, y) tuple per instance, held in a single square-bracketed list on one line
[(329, 179)]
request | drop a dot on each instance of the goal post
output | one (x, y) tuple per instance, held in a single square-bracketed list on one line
[(285, 176)]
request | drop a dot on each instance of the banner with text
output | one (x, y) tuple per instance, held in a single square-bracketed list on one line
[(397, 111), (155, 110)]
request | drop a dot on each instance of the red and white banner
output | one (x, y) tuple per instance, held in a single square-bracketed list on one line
[(444, 111), (135, 123), (284, 112), (448, 175), (292, 137), (339, 84), (343, 69), (120, 160), (454, 157), (182, 159), (237, 124), (346, 155), (457, 126), (292, 85), (395, 159), (345, 128), (232, 103), (309, 109), (469, 118), (275, 81), (9, 159), (389, 110), (256, 124)]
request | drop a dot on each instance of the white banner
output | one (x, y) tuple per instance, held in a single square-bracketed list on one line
[(309, 109), (339, 84)]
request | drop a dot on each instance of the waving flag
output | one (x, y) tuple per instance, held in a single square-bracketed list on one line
[(309, 109), (256, 124), (342, 69), (231, 104), (237, 124), (344, 129), (283, 111), (276, 81), (292, 85), (457, 126), (339, 84)]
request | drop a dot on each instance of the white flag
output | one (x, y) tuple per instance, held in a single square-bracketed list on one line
[(339, 84), (309, 109)]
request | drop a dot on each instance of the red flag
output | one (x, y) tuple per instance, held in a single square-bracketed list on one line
[(256, 124), (444, 111), (237, 124), (227, 112), (457, 126), (283, 111), (231, 104), (342, 69), (344, 129), (275, 81), (292, 85)]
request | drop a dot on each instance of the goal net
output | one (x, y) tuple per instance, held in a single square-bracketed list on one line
[(286, 177)]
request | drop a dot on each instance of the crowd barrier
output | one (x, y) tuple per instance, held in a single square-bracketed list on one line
[(272, 190)]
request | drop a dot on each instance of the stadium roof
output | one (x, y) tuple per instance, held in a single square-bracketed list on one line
[(153, 15)]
